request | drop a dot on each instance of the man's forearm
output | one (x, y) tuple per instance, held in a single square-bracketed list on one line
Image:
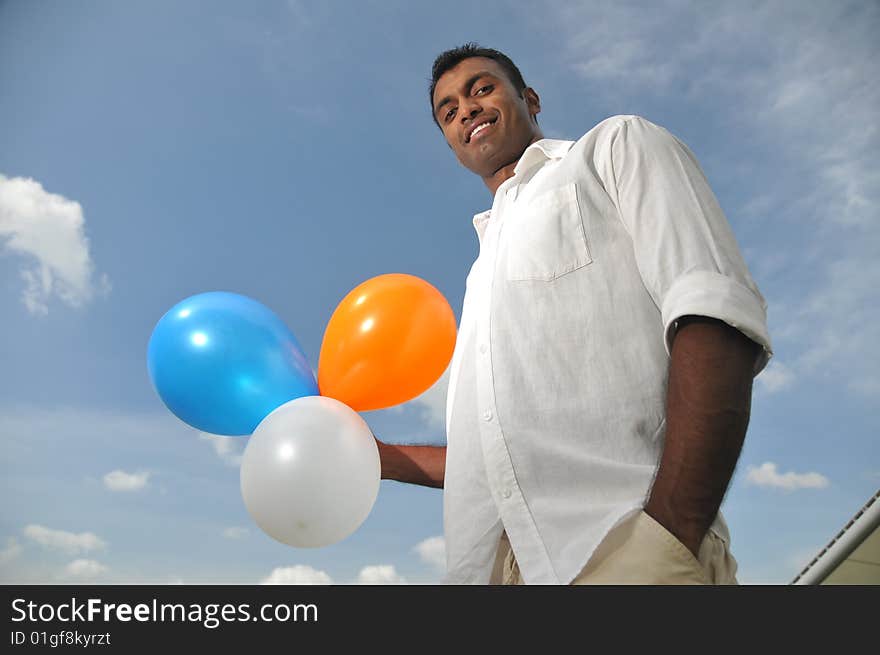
[(423, 465), (708, 404)]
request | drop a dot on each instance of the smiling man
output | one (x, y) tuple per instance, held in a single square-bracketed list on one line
[(601, 383)]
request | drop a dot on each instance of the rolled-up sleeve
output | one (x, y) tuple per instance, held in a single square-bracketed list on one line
[(686, 252)]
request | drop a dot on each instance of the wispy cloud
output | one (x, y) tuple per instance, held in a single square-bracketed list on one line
[(808, 81), (63, 540), (766, 475), (11, 551), (282, 49), (380, 574), (432, 551), (121, 481), (838, 322), (607, 39), (229, 449), (235, 532), (776, 377), (299, 574), (84, 569), (48, 231), (431, 404)]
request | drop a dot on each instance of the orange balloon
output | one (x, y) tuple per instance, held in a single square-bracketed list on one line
[(388, 341)]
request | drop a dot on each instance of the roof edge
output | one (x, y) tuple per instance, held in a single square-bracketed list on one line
[(843, 544)]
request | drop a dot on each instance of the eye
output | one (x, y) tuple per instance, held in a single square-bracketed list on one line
[(484, 89), (449, 114)]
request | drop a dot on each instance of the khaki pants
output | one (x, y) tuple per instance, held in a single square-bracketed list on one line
[(639, 551)]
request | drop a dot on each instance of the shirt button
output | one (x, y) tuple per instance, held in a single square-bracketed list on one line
[(487, 415), (506, 493), (483, 348)]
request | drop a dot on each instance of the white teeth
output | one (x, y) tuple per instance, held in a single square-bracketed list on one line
[(479, 128)]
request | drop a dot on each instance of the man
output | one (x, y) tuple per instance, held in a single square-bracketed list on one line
[(600, 387)]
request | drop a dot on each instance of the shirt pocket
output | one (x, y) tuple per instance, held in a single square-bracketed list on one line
[(545, 236)]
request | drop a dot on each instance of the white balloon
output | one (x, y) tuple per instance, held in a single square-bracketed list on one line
[(310, 473)]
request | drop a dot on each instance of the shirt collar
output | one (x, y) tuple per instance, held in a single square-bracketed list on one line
[(480, 221), (538, 152), (541, 151)]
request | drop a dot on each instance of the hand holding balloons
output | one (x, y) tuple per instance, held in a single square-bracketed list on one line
[(225, 364)]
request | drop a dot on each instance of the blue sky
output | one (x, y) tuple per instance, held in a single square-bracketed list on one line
[(285, 151)]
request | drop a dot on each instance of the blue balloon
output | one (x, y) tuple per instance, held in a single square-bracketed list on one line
[(221, 362)]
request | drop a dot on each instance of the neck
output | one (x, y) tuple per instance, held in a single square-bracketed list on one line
[(504, 173)]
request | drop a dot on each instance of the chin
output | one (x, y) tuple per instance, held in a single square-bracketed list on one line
[(483, 169)]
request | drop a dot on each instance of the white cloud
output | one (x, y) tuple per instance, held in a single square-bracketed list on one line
[(235, 532), (432, 403), (302, 13), (11, 552), (122, 481), (432, 551), (296, 575), (837, 322), (48, 230), (84, 569), (776, 377), (766, 475), (64, 541), (623, 48), (229, 449), (868, 385), (380, 574), (811, 89)]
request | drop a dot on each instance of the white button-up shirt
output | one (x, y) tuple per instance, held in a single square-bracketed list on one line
[(557, 396)]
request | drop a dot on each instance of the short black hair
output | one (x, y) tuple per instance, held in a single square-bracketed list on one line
[(451, 59)]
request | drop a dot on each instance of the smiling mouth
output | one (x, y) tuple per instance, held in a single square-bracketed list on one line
[(480, 129)]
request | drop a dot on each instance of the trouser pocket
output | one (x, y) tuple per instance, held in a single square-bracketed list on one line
[(640, 551)]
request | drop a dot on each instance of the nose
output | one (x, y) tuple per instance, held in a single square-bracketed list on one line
[(470, 110)]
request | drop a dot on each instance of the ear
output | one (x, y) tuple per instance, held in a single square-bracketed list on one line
[(533, 102)]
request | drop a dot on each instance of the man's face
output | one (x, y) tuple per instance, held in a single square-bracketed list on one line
[(485, 121)]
